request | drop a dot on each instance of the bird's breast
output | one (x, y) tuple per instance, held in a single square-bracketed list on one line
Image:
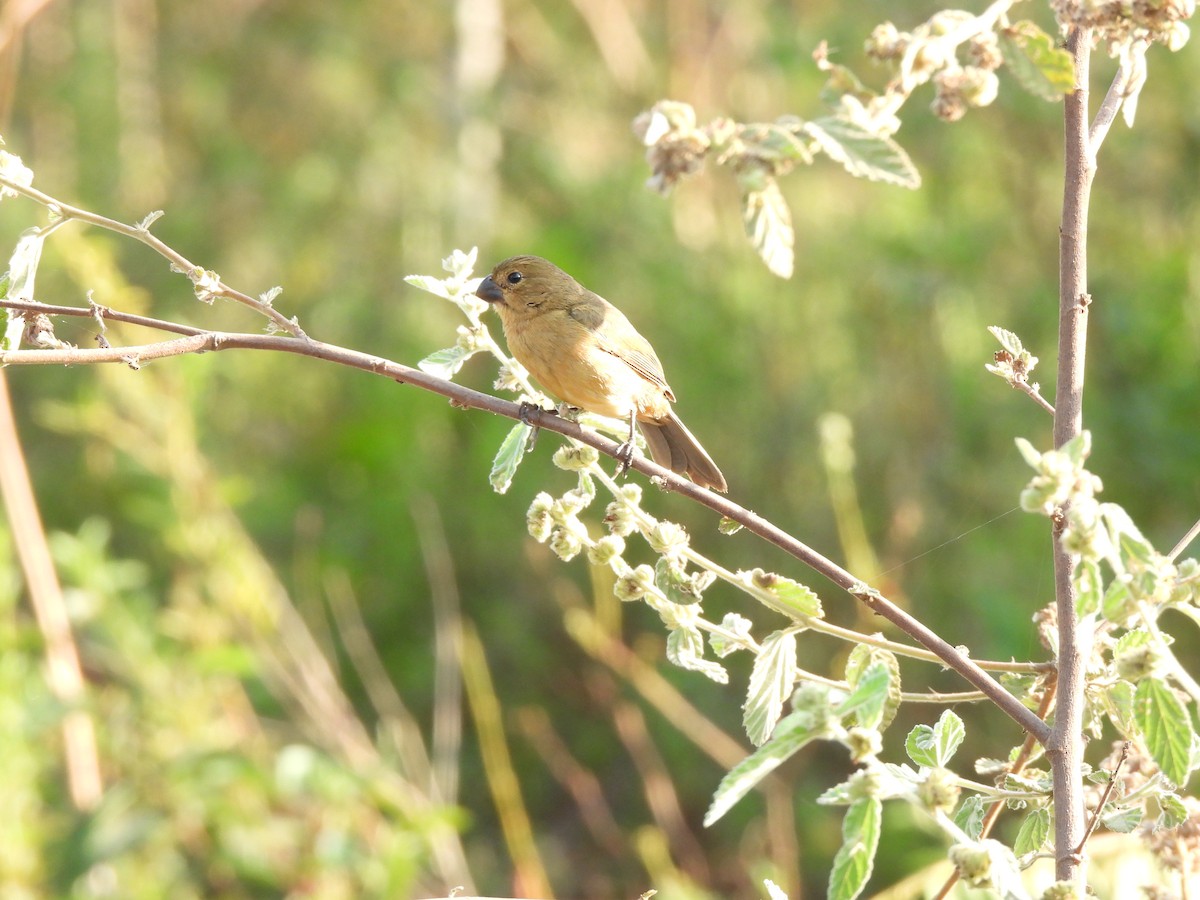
[(566, 358)]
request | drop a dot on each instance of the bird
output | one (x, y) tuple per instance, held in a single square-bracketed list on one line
[(584, 351)]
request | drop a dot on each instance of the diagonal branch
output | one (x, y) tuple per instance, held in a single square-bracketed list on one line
[(460, 396)]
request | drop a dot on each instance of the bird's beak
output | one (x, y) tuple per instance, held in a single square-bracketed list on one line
[(490, 291)]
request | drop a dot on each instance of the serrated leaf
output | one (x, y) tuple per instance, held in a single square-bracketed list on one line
[(771, 683), (768, 224), (935, 745), (685, 648), (863, 154), (855, 859), (948, 736), (1007, 339), (860, 659), (794, 598), (1041, 67), (509, 456), (670, 578), (1035, 828), (793, 732), (1167, 728), (1173, 812), (1118, 703), (868, 697), (445, 363), (1123, 821), (969, 816)]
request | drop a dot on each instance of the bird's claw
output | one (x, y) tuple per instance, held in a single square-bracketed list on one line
[(624, 457), (523, 412)]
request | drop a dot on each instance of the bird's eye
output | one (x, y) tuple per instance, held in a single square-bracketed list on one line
[(515, 277)]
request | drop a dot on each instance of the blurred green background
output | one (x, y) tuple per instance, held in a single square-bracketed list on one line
[(268, 558)]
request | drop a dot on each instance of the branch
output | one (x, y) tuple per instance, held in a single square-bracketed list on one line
[(1107, 113), (1065, 749), (206, 282), (213, 341)]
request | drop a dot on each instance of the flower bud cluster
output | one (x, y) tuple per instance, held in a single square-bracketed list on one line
[(675, 147), (1120, 22)]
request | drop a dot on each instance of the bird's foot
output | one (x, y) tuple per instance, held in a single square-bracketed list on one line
[(523, 413), (624, 457)]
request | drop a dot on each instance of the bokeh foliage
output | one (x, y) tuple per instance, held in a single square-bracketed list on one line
[(335, 148)]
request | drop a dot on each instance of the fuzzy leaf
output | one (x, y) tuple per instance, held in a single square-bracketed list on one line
[(863, 154), (861, 658), (869, 696), (771, 683), (796, 599), (1035, 828), (1041, 67), (793, 732), (685, 648), (769, 226), (969, 816), (1167, 727), (445, 363), (508, 457), (855, 859)]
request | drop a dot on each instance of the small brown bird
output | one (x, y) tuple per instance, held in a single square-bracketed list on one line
[(584, 351)]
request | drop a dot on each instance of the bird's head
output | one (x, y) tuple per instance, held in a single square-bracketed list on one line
[(523, 285)]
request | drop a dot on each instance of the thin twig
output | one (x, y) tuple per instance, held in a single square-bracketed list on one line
[(1104, 798), (465, 397), (1184, 541), (1107, 113), (213, 286)]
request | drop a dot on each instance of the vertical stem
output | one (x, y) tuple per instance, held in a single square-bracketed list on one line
[(1065, 748), (64, 673)]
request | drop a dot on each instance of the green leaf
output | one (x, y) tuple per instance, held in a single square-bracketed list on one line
[(508, 457), (1167, 727), (868, 697), (795, 599), (860, 659), (1118, 703), (1007, 339), (771, 683), (935, 745), (685, 648), (863, 154), (670, 578), (969, 816), (793, 732), (1041, 67), (1033, 832), (445, 363), (1173, 811), (855, 859), (1123, 821), (769, 226)]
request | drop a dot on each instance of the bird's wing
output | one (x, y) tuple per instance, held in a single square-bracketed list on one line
[(621, 339)]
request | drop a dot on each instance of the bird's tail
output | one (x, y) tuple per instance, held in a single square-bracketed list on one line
[(673, 447)]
